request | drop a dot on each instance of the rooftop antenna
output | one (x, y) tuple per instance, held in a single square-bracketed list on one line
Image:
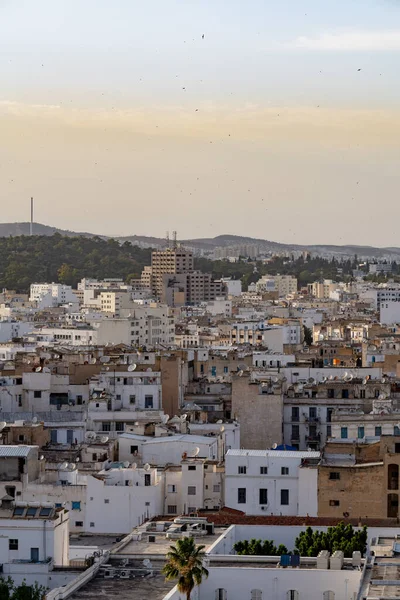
[(174, 242), (31, 223), (167, 239)]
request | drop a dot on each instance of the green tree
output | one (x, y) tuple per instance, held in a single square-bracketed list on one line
[(185, 563), (308, 337), (258, 548), (10, 591), (341, 537)]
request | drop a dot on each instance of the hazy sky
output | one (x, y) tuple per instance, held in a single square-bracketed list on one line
[(282, 123)]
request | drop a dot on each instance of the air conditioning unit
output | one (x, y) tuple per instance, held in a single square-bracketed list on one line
[(152, 539)]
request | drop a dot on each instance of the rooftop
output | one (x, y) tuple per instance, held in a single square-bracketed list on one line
[(154, 588), (275, 453), (16, 451)]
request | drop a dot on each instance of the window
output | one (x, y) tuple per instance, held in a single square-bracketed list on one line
[(284, 470), (191, 490), (31, 512), (216, 488), (329, 595), (91, 524), (293, 595), (45, 512), (53, 436), (191, 467), (256, 595), (172, 509), (331, 393), (242, 470), (396, 430), (263, 470), (119, 426), (329, 412), (132, 399), (79, 400), (134, 449), (284, 497), (76, 505), (295, 413), (147, 479), (106, 501), (21, 438), (343, 433), (58, 505), (12, 544), (328, 430), (225, 369), (78, 523), (106, 426), (171, 489), (263, 496), (241, 495), (295, 432), (37, 394), (334, 503), (148, 401), (362, 393), (220, 594), (345, 393), (334, 475), (360, 433), (312, 413), (378, 431), (19, 511)]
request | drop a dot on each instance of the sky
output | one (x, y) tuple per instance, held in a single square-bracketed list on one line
[(281, 123)]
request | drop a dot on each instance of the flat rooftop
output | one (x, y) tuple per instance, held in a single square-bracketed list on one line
[(161, 546), (151, 588)]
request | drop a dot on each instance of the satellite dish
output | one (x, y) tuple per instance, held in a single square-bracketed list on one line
[(330, 377), (222, 429), (46, 370), (240, 373), (105, 359), (2, 425), (95, 396), (147, 563), (107, 368), (276, 379), (126, 464), (34, 420), (93, 361), (134, 466), (274, 446), (311, 380), (149, 370), (147, 467), (219, 421), (196, 452), (71, 466), (365, 381), (184, 417), (132, 367), (165, 419), (64, 466), (90, 436), (59, 466), (38, 369), (136, 423), (104, 439)]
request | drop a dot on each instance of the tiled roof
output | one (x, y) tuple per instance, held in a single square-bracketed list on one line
[(15, 451)]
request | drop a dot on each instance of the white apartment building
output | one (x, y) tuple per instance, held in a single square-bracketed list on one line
[(70, 336), (126, 390), (389, 313), (122, 498), (195, 484), (51, 294), (219, 306), (34, 539), (276, 337), (381, 294), (169, 449), (233, 286), (273, 482), (14, 329)]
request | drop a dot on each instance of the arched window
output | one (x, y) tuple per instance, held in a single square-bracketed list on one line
[(329, 595), (393, 477), (293, 595), (256, 595), (220, 594)]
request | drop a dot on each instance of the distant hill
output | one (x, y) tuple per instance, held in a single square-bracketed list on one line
[(206, 244), (16, 229)]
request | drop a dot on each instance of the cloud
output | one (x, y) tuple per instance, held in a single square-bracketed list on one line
[(350, 41)]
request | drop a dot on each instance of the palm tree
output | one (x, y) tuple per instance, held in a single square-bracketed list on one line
[(185, 563)]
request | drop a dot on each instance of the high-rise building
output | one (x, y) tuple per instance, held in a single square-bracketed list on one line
[(172, 261)]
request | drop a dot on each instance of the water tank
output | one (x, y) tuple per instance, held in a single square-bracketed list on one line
[(356, 558), (323, 559), (337, 560)]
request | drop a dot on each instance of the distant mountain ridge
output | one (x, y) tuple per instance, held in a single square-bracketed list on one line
[(18, 229)]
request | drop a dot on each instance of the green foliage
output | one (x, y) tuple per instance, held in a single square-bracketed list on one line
[(308, 337), (185, 563), (341, 537), (10, 591), (25, 260), (258, 548)]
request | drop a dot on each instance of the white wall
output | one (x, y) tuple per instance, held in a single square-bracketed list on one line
[(389, 313)]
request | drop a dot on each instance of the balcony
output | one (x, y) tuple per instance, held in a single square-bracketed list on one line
[(314, 437)]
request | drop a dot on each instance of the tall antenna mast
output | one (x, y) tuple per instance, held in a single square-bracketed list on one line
[(31, 223), (167, 239)]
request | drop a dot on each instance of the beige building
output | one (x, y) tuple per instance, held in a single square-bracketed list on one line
[(172, 261), (359, 479), (322, 289), (259, 409)]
